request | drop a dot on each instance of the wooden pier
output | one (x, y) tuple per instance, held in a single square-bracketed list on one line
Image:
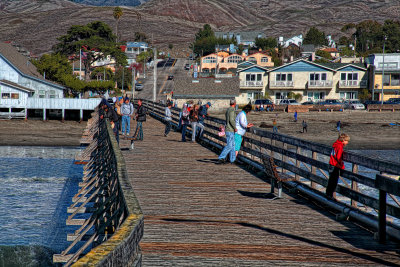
[(198, 213)]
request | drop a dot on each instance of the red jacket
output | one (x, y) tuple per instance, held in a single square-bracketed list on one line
[(336, 158)]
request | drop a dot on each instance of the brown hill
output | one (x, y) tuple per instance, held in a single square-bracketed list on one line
[(37, 24)]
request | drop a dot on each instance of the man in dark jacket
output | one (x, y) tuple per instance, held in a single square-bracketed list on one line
[(140, 118), (203, 112), (107, 112)]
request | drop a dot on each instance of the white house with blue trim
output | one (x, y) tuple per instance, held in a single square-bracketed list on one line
[(23, 88), (253, 82), (317, 81)]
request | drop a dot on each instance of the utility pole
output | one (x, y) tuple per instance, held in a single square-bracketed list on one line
[(383, 67), (155, 75), (133, 81), (123, 78)]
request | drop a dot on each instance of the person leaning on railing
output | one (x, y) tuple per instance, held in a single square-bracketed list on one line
[(336, 163), (108, 112)]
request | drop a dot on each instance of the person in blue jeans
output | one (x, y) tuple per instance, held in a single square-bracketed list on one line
[(168, 119), (140, 118), (127, 112), (230, 130), (185, 121)]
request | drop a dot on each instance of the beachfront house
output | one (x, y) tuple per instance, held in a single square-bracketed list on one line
[(216, 91), (285, 42), (22, 87), (133, 49), (253, 81), (247, 38), (389, 66), (317, 81)]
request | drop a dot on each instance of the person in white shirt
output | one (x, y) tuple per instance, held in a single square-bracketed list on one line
[(241, 126)]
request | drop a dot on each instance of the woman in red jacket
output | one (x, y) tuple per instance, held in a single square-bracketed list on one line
[(336, 162)]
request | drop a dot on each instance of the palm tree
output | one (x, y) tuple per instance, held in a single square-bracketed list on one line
[(117, 15)]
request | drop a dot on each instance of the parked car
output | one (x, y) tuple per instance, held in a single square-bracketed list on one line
[(353, 104), (330, 102), (263, 104), (308, 103), (170, 77), (187, 66), (392, 101), (371, 102), (139, 87), (288, 102)]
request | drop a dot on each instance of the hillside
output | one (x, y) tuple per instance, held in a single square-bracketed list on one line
[(37, 24), (110, 2)]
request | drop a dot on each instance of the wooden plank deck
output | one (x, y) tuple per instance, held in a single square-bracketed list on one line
[(198, 213)]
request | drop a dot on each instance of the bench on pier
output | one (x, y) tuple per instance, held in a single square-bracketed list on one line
[(276, 177)]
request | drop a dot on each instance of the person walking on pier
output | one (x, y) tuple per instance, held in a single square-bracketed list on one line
[(194, 120), (185, 121), (338, 124), (168, 119), (241, 125), (336, 163), (140, 118), (126, 112), (274, 126), (304, 124), (295, 116), (230, 130), (203, 112)]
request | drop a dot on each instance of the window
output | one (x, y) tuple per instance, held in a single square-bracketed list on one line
[(253, 77), (315, 96), (348, 95), (234, 59), (209, 60), (5, 95), (252, 59), (42, 94), (395, 79), (284, 77), (259, 77), (14, 95), (386, 79), (318, 76), (264, 59), (388, 65)]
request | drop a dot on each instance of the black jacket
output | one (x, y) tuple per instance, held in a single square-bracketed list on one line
[(141, 113), (111, 115)]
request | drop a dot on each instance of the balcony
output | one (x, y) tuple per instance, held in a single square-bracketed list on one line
[(252, 84), (353, 84), (320, 84), (281, 84)]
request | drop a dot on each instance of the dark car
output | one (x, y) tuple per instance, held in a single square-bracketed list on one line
[(331, 102), (308, 103), (392, 101), (263, 104), (170, 77), (187, 67), (371, 102), (139, 87)]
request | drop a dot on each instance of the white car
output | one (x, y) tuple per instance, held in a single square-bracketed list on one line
[(353, 104), (288, 102)]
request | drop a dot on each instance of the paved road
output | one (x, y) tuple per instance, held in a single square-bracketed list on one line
[(173, 67)]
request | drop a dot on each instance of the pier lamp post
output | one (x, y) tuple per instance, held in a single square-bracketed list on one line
[(383, 66)]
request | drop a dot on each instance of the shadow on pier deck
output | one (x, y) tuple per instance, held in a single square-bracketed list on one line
[(199, 213)]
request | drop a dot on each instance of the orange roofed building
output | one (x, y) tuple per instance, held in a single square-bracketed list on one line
[(228, 63)]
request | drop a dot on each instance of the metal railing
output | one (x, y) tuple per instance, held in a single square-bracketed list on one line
[(282, 84), (357, 195), (327, 83), (251, 83), (352, 83), (101, 197)]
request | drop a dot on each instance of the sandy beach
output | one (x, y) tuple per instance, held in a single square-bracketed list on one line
[(40, 133), (368, 130)]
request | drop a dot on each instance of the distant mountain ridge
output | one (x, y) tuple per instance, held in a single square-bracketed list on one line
[(110, 2), (36, 24)]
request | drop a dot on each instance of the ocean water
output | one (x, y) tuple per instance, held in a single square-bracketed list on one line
[(36, 187)]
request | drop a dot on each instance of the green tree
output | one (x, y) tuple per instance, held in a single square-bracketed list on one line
[(206, 32), (324, 54), (315, 37), (54, 66), (117, 14), (170, 46), (100, 71), (266, 43), (240, 49), (96, 42), (126, 72)]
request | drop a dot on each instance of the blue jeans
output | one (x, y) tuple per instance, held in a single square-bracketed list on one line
[(229, 148), (184, 127), (167, 127), (274, 129), (139, 131), (126, 124)]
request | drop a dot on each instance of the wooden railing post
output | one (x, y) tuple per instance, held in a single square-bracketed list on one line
[(354, 185), (298, 151), (313, 168), (284, 158), (382, 217)]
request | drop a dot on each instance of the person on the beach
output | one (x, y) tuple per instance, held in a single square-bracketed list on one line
[(304, 124), (230, 129), (336, 163), (338, 126), (140, 118), (126, 112), (241, 126), (168, 119), (295, 116), (274, 126)]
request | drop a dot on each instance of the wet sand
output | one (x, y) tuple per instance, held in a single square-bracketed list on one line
[(367, 130), (39, 133)]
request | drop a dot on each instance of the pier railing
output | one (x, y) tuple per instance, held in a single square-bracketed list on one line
[(105, 209), (357, 195)]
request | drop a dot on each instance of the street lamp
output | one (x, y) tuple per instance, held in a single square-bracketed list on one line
[(383, 66)]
